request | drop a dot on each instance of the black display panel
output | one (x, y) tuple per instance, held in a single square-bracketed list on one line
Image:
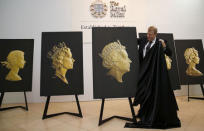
[(173, 72), (16, 65), (115, 62), (61, 64), (190, 60)]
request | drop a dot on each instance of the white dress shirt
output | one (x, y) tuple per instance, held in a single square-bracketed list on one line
[(144, 50)]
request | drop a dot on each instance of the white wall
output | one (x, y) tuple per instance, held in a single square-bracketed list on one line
[(28, 18)]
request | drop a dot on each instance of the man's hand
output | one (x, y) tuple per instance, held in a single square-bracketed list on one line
[(163, 43)]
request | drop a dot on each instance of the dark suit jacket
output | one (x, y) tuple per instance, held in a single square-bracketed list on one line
[(143, 41)]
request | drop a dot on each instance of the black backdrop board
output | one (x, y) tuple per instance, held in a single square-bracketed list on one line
[(173, 72), (52, 85), (26, 46), (181, 46), (105, 86)]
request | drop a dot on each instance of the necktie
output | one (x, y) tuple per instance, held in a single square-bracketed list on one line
[(148, 47)]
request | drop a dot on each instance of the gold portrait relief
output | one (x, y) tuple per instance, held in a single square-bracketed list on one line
[(168, 62), (115, 58), (62, 60), (192, 59), (15, 61)]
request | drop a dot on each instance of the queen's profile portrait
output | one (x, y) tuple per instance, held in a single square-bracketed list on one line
[(115, 58), (192, 59), (62, 60), (15, 61), (168, 62)]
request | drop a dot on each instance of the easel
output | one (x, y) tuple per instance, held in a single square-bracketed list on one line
[(8, 108), (200, 98), (45, 116), (101, 121)]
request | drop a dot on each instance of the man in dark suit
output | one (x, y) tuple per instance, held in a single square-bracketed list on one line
[(158, 106), (146, 43)]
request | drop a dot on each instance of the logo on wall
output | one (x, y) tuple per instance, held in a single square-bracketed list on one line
[(98, 9), (117, 11)]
